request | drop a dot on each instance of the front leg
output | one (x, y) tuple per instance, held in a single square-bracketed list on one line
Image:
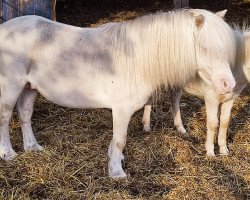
[(121, 118), (226, 108), (212, 106)]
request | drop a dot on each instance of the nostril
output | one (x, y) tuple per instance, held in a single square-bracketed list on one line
[(226, 86)]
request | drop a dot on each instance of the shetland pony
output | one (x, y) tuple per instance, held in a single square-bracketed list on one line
[(204, 89), (117, 66)]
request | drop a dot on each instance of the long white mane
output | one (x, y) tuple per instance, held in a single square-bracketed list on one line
[(160, 48)]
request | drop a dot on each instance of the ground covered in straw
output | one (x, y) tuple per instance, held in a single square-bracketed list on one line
[(161, 164)]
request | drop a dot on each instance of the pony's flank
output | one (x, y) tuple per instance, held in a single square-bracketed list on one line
[(158, 47)]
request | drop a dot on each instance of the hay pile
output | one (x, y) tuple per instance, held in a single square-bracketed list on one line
[(162, 164)]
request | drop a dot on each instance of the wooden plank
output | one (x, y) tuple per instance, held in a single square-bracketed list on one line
[(26, 7), (9, 9), (1, 11), (38, 8), (53, 2), (14, 8), (44, 8)]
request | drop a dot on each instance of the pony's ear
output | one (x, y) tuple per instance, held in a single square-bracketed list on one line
[(221, 13), (199, 20)]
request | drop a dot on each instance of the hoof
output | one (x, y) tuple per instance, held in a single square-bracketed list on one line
[(211, 154), (146, 128), (117, 174), (181, 129), (34, 147), (224, 151), (7, 154), (115, 170)]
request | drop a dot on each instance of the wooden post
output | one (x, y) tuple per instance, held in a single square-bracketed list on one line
[(54, 10)]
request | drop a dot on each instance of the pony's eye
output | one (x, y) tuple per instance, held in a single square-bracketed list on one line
[(204, 49)]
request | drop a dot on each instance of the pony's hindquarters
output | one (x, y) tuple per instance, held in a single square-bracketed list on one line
[(16, 41)]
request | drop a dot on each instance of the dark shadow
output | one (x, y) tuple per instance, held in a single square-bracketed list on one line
[(237, 122), (87, 12), (230, 180)]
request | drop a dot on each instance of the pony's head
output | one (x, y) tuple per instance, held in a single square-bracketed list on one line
[(215, 47)]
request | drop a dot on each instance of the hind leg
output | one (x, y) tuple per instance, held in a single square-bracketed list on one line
[(10, 92), (146, 115), (25, 109), (175, 96)]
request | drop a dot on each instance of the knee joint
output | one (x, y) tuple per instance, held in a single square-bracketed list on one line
[(212, 125), (25, 115), (5, 117)]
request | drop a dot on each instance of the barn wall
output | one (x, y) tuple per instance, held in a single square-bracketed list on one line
[(15, 8)]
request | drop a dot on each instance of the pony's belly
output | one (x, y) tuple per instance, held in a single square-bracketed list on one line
[(74, 98)]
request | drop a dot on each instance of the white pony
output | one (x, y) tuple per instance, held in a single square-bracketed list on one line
[(204, 89), (117, 66)]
